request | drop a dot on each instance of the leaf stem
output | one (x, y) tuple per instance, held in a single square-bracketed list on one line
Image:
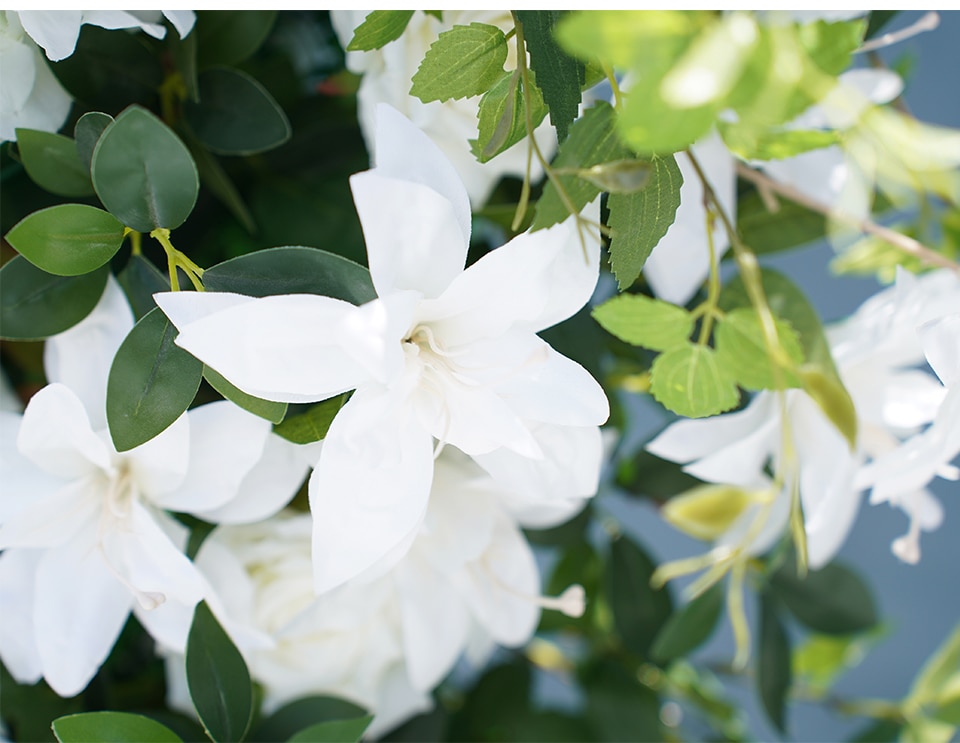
[(175, 260)]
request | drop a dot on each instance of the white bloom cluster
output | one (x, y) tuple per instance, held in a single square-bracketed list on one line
[(877, 352)]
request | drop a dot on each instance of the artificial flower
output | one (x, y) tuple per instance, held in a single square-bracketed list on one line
[(443, 353), (387, 73), (84, 529)]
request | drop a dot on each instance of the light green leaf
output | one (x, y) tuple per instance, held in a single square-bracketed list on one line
[(639, 220), (764, 231), (833, 600), (463, 62), (502, 116), (52, 162), (86, 133), (689, 380), (834, 400), (639, 610), (689, 627), (334, 731), (643, 321), (235, 114), (774, 673), (67, 240), (936, 673), (619, 176), (821, 659), (151, 382), (742, 350), (593, 140), (707, 511), (927, 730), (774, 144), (378, 29), (143, 173), (35, 304), (268, 409), (218, 679), (313, 425), (111, 727)]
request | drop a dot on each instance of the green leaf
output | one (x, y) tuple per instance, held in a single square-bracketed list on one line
[(235, 114), (832, 600), (226, 37), (593, 140), (774, 674), (774, 144), (378, 29), (707, 511), (765, 231), (742, 350), (218, 679), (690, 627), (213, 176), (67, 240), (312, 425), (689, 380), (820, 661), (463, 62), (639, 611), (35, 304), (927, 730), (143, 173), (111, 727), (334, 731), (301, 713), (936, 673), (502, 116), (268, 409), (292, 270), (493, 705), (833, 399), (151, 382), (643, 321), (559, 75), (639, 220), (86, 133), (52, 162), (881, 731), (618, 707), (140, 280), (619, 176)]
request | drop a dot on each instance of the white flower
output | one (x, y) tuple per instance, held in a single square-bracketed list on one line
[(444, 353), (387, 73), (83, 528)]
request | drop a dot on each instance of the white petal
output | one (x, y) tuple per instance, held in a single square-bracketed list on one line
[(941, 346), (47, 103), (413, 238), (81, 357), (18, 74), (159, 466), (56, 31), (182, 20), (398, 701), (55, 435), (51, 519), (23, 482), (370, 488), (18, 651), (147, 20), (185, 308)]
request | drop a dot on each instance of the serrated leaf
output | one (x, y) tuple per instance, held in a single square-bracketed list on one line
[(639, 610), (143, 173), (140, 280), (689, 380), (689, 627), (52, 162), (774, 674), (644, 321), (218, 679), (378, 29), (639, 220), (312, 425), (35, 304), (502, 117), (151, 382), (86, 133), (111, 727), (334, 731), (559, 76), (267, 409), (707, 511), (463, 62), (742, 350), (592, 140), (67, 240), (774, 144), (833, 600)]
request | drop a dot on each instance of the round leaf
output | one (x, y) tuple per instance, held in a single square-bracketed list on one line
[(832, 600), (689, 627), (52, 162), (235, 114), (742, 350), (226, 37), (35, 304), (644, 321), (334, 731), (87, 132), (111, 727), (639, 610), (67, 240), (151, 382), (143, 173), (688, 380)]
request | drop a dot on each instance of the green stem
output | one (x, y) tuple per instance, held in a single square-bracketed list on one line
[(175, 260)]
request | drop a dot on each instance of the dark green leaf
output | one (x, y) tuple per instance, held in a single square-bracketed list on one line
[(334, 731), (495, 704), (226, 37), (218, 679), (878, 19), (296, 715), (272, 411), (378, 29), (689, 380), (689, 627), (214, 177), (235, 114), (773, 663), (463, 62), (111, 727), (67, 240), (742, 350), (52, 162), (644, 321), (502, 116), (764, 231), (619, 707), (559, 75), (143, 173), (313, 425), (639, 220), (86, 133), (881, 731), (184, 54), (592, 140), (140, 280), (430, 725), (579, 564), (199, 531), (35, 304), (639, 611), (292, 270), (152, 381)]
